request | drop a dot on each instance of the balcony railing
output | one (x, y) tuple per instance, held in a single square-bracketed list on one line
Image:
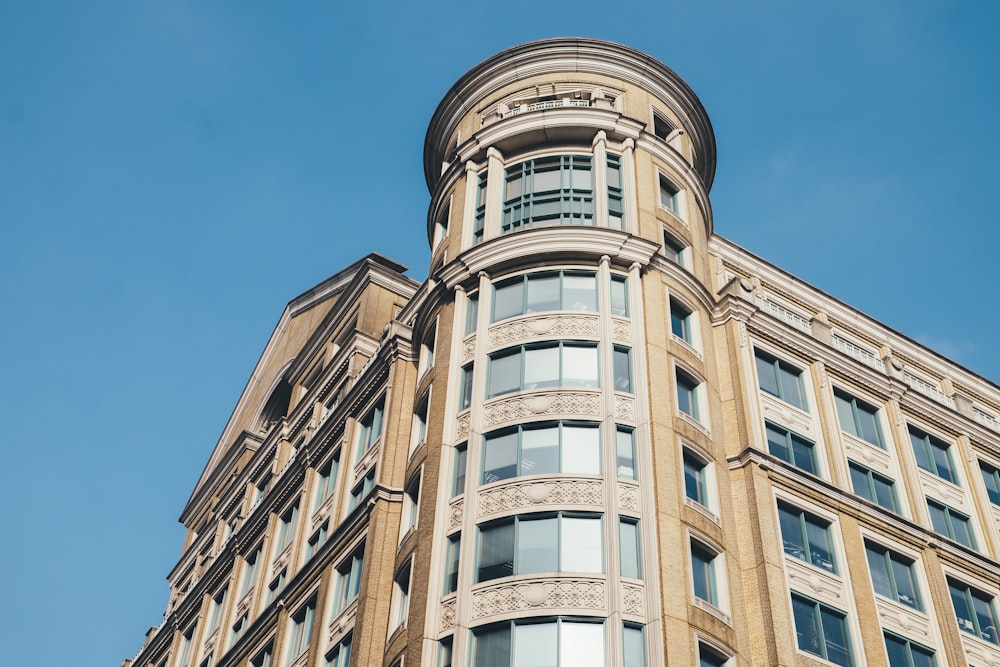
[(859, 353), (548, 104), (927, 389), (785, 314)]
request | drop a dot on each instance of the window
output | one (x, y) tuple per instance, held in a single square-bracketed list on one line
[(263, 658), (444, 652), (302, 623), (951, 523), (411, 504), (471, 314), (548, 543), (340, 655), (548, 191), (419, 430), (187, 641), (465, 389), (821, 630), (625, 452), (401, 597), (687, 395), (250, 571), (974, 611), (991, 478), (932, 454), (703, 573), (362, 488), (286, 527), (479, 223), (451, 563), (619, 296), (317, 539), (709, 657), (441, 226), (537, 367), (276, 585), (661, 126), (542, 449), (215, 610), (371, 428), (806, 537), (541, 292), (623, 369), (674, 250), (326, 479), (427, 351), (558, 643), (260, 487), (858, 418), (905, 653), (239, 627), (791, 447), (680, 322), (616, 211), (634, 645), (893, 575), (873, 487), (669, 195), (780, 380), (458, 484), (695, 479), (349, 577), (630, 548)]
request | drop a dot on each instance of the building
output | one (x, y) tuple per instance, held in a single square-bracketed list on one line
[(597, 434)]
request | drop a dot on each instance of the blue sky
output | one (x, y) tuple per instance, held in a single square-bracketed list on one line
[(172, 172)]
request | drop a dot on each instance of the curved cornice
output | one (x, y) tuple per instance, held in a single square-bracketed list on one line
[(568, 54)]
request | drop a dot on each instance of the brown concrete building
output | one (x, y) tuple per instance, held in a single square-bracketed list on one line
[(597, 434)]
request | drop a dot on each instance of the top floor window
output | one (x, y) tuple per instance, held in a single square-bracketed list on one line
[(616, 215), (858, 418), (549, 191), (541, 292), (780, 379), (479, 224), (932, 454)]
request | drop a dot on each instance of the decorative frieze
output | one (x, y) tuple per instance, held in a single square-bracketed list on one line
[(903, 620), (860, 451), (456, 511), (628, 496), (625, 408), (621, 330), (545, 595), (343, 622), (815, 583), (462, 425), (570, 404), (527, 494), (633, 599), (448, 613), (368, 460), (523, 330), (468, 349), (979, 652)]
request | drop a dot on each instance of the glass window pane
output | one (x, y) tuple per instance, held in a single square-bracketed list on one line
[(880, 574), (492, 647), (628, 538), (581, 450), (962, 612), (537, 549), (635, 646), (921, 657), (701, 572), (581, 645), (513, 184), (543, 293), (920, 451), (884, 494), (985, 617), (791, 388), (803, 452), (766, 375), (791, 534), (859, 481), (845, 414), (579, 366), (868, 420), (623, 370), (906, 590), (806, 630), (505, 374), (835, 634), (939, 521), (991, 478), (541, 368), (579, 293), (619, 297), (536, 645), (581, 175), (581, 548), (547, 176), (496, 551), (942, 461), (896, 650), (540, 450), (500, 457), (821, 555), (777, 443), (960, 529), (694, 478), (508, 300), (625, 446)]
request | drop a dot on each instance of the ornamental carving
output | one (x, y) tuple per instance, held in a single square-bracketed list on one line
[(625, 408), (448, 614), (281, 561), (456, 512), (633, 600), (367, 461), (876, 459), (815, 583), (903, 620), (546, 492), (468, 348), (628, 497), (549, 326), (537, 404), (538, 594), (621, 330), (462, 426), (979, 652)]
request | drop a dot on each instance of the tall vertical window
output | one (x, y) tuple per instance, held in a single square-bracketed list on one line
[(370, 428), (680, 322), (458, 479), (451, 563), (349, 577), (950, 523), (553, 643), (263, 658), (549, 191), (806, 537), (669, 196), (687, 395), (479, 223), (362, 488), (471, 314), (302, 623), (630, 548), (401, 596), (625, 452), (616, 210), (619, 296), (991, 478), (932, 454), (239, 627), (695, 479), (340, 655), (216, 608), (780, 379), (419, 430), (674, 250), (703, 573), (821, 630), (445, 652), (465, 388), (326, 479), (276, 585), (441, 226), (543, 292), (187, 641), (893, 575), (523, 545), (427, 351), (858, 418), (904, 652), (540, 449), (634, 645), (623, 369), (872, 486), (286, 527), (411, 504), (250, 570), (791, 447), (317, 539), (975, 611)]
